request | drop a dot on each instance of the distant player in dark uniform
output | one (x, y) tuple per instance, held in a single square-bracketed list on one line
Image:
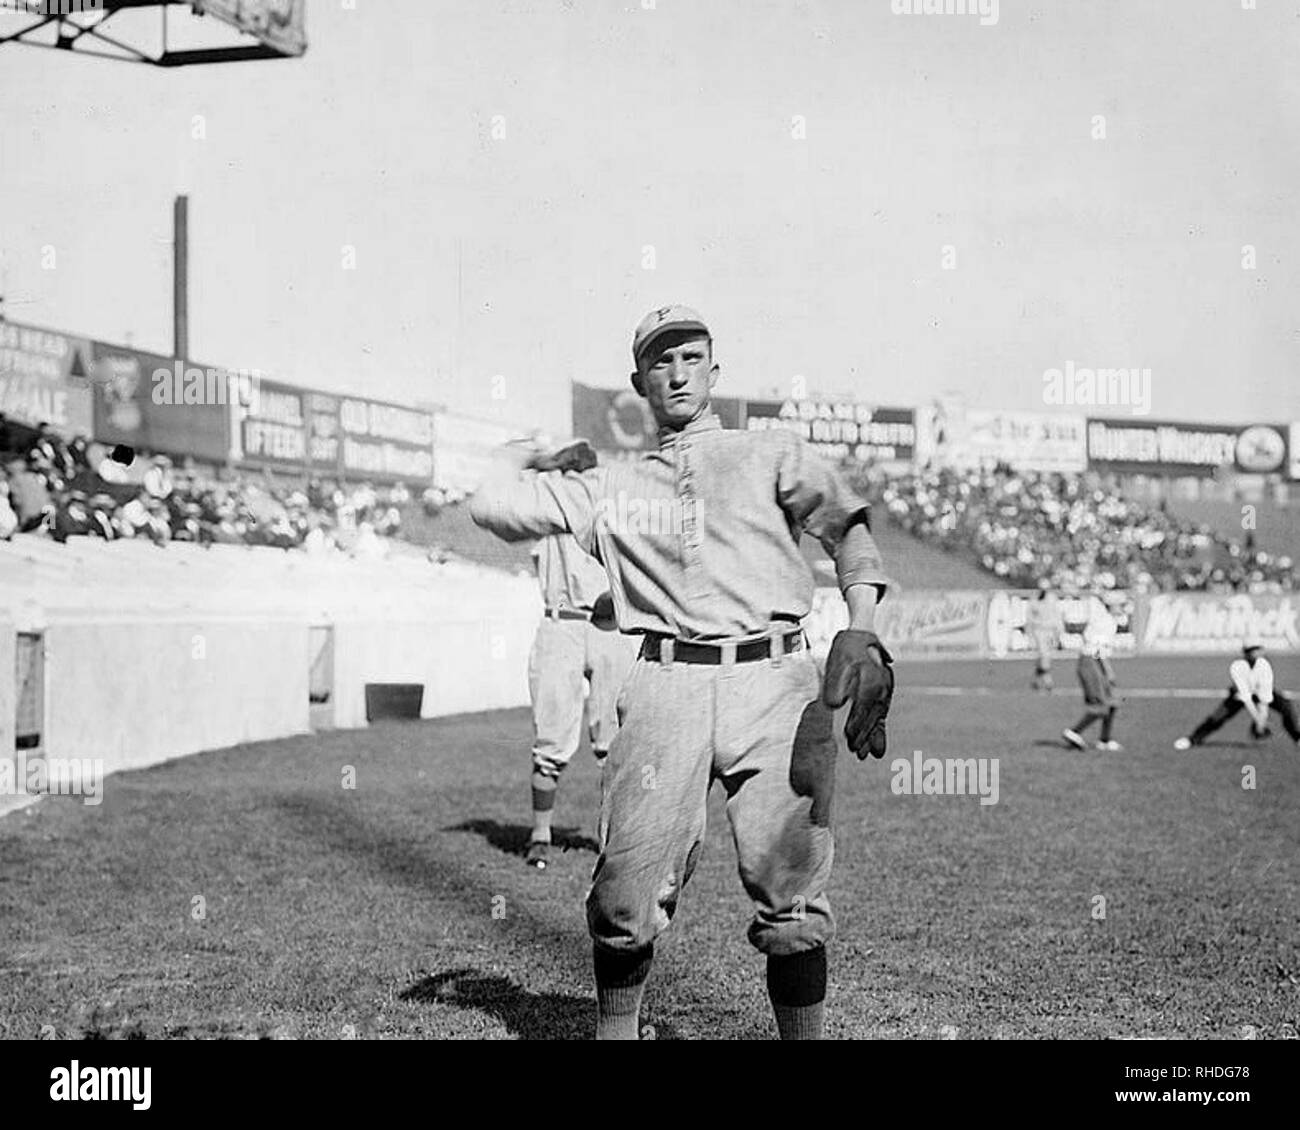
[(1250, 689), (1097, 678)]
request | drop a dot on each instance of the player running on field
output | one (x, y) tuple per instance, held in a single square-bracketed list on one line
[(1252, 690), (700, 541), (1097, 678)]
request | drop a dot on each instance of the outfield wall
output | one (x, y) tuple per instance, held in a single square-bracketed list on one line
[(993, 623), (136, 691), (465, 664), (148, 655)]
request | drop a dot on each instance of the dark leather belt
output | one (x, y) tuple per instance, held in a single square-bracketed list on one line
[(567, 614), (666, 649)]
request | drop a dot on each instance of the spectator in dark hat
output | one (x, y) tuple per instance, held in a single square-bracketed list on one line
[(28, 495), (72, 517)]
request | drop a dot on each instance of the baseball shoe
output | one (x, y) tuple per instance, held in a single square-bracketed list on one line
[(1110, 747), (1183, 743), (539, 854), (1074, 739)]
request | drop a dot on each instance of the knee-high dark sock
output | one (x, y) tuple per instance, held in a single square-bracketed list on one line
[(1084, 723), (797, 986), (543, 805), (620, 983), (1107, 723)]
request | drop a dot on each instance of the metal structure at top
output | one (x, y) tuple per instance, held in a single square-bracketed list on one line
[(78, 26)]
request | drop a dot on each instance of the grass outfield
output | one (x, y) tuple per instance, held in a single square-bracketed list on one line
[(402, 908)]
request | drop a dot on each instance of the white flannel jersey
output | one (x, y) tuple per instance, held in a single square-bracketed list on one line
[(1252, 682)]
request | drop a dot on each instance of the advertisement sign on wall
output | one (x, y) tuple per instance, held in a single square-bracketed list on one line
[(385, 442), (841, 429), (159, 405), (914, 625), (1112, 613), (45, 379), (271, 428), (1191, 622), (1129, 446), (323, 448), (1029, 441)]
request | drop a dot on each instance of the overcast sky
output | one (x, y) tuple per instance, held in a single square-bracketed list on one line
[(527, 256)]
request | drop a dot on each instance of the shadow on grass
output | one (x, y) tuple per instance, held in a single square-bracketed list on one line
[(530, 1016), (513, 838)]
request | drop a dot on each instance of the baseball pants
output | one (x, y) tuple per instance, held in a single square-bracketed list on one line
[(683, 726), (1045, 644), (565, 652), (1099, 701), (1232, 705), (1098, 694)]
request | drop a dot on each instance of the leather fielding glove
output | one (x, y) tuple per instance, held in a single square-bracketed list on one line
[(576, 456), (602, 612), (859, 668)]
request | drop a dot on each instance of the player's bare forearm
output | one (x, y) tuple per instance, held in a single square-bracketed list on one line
[(861, 575), (862, 600)]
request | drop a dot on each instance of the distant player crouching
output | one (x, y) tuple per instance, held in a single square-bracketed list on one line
[(1252, 688)]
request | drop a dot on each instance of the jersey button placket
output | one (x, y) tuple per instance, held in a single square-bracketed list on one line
[(692, 561)]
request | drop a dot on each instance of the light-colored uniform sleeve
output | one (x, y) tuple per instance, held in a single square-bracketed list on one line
[(821, 503), (1239, 671), (1264, 681), (539, 505)]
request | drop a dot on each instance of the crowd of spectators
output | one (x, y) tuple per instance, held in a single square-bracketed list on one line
[(59, 489), (1067, 532), (1076, 533)]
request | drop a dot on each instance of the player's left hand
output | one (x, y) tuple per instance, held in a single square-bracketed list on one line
[(858, 668)]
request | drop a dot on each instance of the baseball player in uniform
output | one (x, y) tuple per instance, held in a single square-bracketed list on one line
[(1251, 689), (576, 640), (1097, 678), (699, 540), (1043, 623)]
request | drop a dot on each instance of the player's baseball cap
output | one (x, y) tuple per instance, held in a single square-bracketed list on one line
[(1252, 643), (667, 319)]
